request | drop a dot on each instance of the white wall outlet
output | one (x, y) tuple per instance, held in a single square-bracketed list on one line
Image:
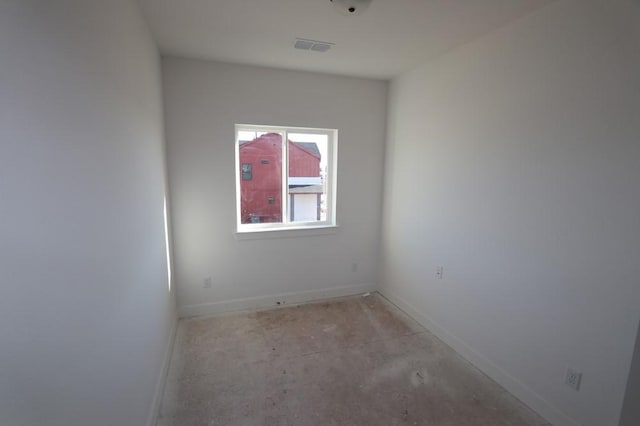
[(573, 378), (207, 283), (439, 272), (354, 267)]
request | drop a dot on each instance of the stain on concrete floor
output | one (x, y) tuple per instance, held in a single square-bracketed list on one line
[(349, 361)]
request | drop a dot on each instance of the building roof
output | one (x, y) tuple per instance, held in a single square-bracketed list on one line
[(310, 147), (304, 180), (307, 189)]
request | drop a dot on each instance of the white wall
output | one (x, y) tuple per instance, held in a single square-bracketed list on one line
[(85, 312), (204, 100), (514, 162)]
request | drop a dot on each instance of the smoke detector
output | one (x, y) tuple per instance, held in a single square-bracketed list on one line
[(350, 7)]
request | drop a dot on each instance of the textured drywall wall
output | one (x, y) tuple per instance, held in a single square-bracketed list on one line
[(204, 100), (631, 408), (514, 162), (85, 312)]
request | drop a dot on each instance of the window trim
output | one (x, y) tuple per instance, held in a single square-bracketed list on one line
[(285, 225)]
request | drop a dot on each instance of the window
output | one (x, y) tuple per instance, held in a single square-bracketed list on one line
[(247, 174), (285, 177)]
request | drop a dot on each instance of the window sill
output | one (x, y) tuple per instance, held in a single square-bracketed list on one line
[(306, 231)]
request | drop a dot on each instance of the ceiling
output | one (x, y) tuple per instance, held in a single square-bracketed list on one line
[(389, 37)]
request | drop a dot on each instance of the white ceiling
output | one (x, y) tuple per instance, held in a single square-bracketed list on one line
[(388, 38)]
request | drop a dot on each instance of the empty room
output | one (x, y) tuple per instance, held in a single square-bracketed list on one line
[(320, 212)]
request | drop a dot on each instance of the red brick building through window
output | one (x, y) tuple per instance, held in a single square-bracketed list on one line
[(261, 180)]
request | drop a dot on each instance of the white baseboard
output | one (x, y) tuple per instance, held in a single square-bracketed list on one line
[(158, 393), (271, 301), (504, 379)]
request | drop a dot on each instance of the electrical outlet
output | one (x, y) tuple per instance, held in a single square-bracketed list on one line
[(354, 267), (573, 378), (439, 272), (207, 283)]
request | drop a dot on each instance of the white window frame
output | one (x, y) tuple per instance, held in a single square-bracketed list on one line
[(330, 198)]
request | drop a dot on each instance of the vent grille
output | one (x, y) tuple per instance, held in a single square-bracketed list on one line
[(313, 45), (303, 44)]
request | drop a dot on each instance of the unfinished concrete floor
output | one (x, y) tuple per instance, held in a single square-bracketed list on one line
[(349, 361)]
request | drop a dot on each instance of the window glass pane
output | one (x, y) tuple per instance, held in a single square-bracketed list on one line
[(261, 177), (307, 177), (247, 171), (247, 135)]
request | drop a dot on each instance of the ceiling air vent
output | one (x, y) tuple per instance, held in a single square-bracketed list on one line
[(315, 45)]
